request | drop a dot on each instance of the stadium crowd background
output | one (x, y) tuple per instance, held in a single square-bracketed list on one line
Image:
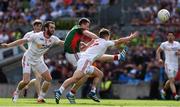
[(16, 17)]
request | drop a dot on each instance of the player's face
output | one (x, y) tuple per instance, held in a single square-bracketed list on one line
[(85, 26), (51, 29), (37, 27), (107, 37), (170, 37)]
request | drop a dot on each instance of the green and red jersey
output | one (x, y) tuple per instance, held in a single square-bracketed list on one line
[(73, 39)]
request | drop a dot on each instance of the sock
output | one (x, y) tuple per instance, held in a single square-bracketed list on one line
[(116, 57), (174, 94), (72, 92), (61, 89), (41, 95), (162, 90), (93, 90)]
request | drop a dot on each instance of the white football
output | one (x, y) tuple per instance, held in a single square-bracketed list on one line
[(163, 15)]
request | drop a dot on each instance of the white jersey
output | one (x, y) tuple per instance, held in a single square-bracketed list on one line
[(170, 49), (28, 35), (97, 49), (39, 45)]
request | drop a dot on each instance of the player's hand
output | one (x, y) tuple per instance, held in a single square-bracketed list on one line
[(4, 45), (134, 35), (177, 53), (160, 61)]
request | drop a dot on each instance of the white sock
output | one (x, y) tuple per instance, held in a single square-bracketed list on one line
[(61, 89), (41, 95), (71, 93), (162, 90), (93, 89)]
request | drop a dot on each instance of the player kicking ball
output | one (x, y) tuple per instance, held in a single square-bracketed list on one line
[(84, 64)]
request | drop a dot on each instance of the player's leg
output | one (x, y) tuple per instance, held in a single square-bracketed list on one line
[(171, 72), (37, 82), (43, 69), (45, 86), (71, 94), (32, 81), (163, 91), (21, 85), (78, 74), (98, 75), (121, 56), (82, 67), (105, 57), (26, 78)]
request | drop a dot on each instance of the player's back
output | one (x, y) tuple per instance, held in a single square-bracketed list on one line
[(97, 49), (72, 40)]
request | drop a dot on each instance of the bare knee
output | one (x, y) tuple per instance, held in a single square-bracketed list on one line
[(38, 78), (171, 80), (101, 74)]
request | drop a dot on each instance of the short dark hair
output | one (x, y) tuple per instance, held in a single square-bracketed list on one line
[(47, 23), (103, 32), (83, 21)]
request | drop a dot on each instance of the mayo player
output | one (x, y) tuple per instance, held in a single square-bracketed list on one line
[(40, 43), (84, 64), (37, 27), (171, 50)]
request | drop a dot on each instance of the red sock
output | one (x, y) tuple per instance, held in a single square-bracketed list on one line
[(174, 94), (116, 57), (73, 91)]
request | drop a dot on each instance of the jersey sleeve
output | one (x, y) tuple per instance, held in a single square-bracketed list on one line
[(26, 35), (110, 43), (31, 38), (162, 46)]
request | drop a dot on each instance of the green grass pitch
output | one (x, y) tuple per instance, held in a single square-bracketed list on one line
[(7, 102)]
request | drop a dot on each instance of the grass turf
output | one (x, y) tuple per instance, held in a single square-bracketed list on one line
[(7, 102)]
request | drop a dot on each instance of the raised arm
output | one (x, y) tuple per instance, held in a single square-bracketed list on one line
[(15, 43), (126, 39), (90, 34)]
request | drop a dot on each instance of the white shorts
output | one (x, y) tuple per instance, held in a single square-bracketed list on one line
[(171, 70), (85, 66), (29, 65), (73, 58)]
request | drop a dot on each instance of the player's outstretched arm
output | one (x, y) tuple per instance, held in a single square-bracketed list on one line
[(158, 51), (90, 34), (15, 43), (126, 39)]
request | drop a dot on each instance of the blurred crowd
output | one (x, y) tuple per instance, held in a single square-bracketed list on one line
[(17, 13), (147, 12)]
